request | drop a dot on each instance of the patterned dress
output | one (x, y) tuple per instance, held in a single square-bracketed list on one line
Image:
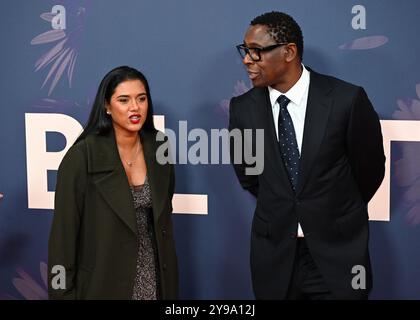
[(146, 283)]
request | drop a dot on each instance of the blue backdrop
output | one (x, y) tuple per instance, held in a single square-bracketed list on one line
[(186, 50)]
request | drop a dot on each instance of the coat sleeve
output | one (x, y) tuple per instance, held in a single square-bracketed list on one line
[(63, 240), (365, 146), (248, 182), (172, 183)]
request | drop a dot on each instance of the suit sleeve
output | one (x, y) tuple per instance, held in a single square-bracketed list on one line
[(365, 146), (248, 182), (63, 240)]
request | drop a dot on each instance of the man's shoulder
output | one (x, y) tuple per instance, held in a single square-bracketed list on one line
[(248, 97), (332, 81)]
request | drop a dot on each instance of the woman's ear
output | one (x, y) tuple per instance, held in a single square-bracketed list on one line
[(107, 109)]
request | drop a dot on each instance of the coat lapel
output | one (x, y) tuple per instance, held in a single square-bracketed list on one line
[(316, 119), (158, 175), (262, 116), (110, 178)]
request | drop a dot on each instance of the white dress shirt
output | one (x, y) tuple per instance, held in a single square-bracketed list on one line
[(298, 96)]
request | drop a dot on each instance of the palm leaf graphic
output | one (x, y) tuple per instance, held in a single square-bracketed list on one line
[(64, 52)]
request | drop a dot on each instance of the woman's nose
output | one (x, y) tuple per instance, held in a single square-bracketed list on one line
[(134, 105)]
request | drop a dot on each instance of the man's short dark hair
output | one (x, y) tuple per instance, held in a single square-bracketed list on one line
[(282, 28)]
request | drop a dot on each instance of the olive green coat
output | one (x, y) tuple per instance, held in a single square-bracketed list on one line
[(94, 230)]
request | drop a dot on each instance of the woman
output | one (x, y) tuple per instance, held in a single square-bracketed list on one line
[(112, 228)]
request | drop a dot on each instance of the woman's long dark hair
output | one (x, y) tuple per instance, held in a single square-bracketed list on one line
[(99, 122)]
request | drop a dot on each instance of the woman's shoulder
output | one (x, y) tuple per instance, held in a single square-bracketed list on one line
[(75, 155), (156, 143), (154, 138)]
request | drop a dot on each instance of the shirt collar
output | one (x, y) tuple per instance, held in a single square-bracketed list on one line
[(295, 93)]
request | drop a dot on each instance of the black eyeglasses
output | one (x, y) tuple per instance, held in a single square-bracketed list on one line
[(255, 53)]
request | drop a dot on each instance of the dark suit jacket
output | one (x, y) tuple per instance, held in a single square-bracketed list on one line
[(341, 167), (93, 233)]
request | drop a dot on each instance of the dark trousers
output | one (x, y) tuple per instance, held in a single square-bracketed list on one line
[(306, 282)]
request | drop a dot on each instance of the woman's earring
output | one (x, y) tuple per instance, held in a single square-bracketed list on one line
[(107, 112)]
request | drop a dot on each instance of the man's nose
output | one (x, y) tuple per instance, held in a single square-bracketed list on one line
[(247, 60)]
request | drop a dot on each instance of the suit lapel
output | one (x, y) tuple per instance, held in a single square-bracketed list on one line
[(110, 178), (316, 119), (262, 116)]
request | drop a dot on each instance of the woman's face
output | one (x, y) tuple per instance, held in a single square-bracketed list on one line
[(128, 107)]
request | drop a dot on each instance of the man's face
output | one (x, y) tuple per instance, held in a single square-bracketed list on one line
[(271, 69)]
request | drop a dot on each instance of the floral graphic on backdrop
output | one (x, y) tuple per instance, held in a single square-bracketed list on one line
[(63, 54), (29, 288), (407, 169), (364, 43), (240, 88), (60, 105)]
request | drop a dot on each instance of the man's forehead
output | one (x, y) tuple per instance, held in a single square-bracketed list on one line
[(257, 34)]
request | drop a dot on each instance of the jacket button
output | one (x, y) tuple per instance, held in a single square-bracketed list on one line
[(292, 235), (163, 233), (164, 267)]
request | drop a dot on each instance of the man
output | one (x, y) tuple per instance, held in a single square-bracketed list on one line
[(323, 162)]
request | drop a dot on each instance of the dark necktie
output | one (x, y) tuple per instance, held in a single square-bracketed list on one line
[(287, 141)]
